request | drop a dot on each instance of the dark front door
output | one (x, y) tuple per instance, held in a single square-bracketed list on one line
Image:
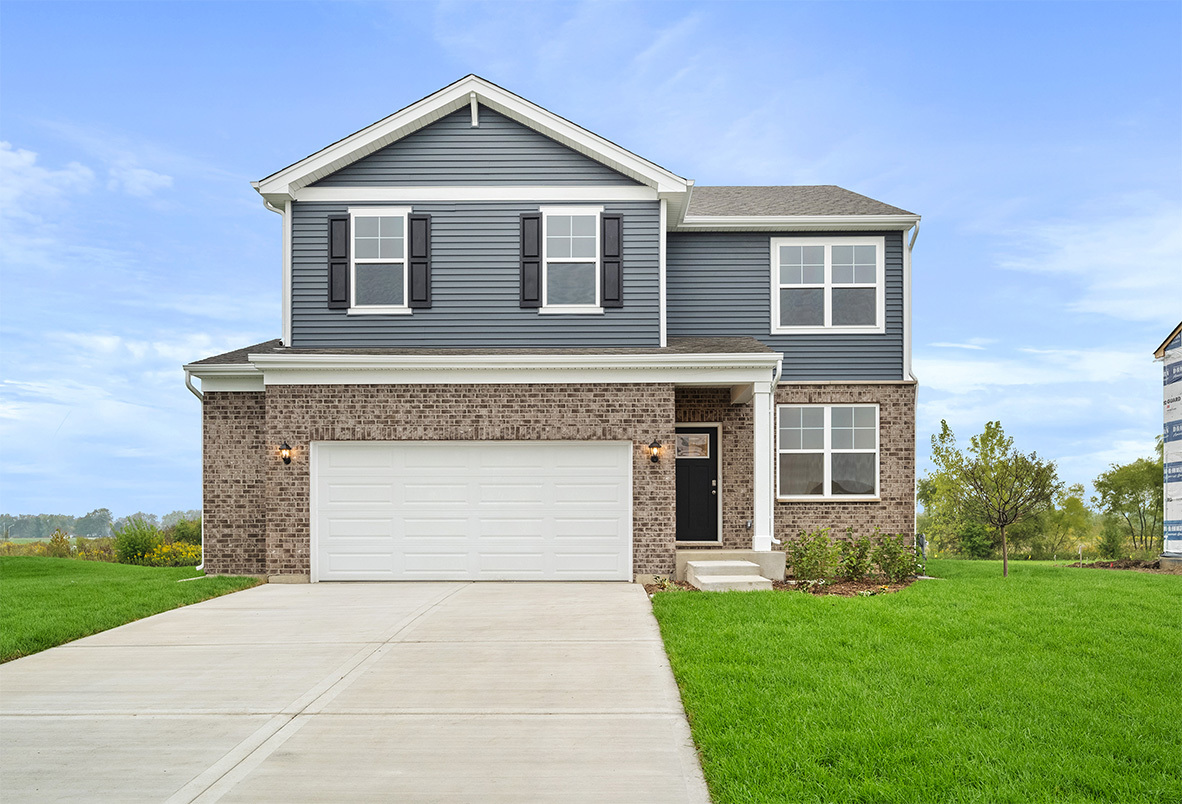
[(696, 453)]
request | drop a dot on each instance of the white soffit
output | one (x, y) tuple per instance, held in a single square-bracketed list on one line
[(282, 185)]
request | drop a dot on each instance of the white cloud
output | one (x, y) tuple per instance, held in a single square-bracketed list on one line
[(137, 181), (1127, 266), (23, 181), (943, 345)]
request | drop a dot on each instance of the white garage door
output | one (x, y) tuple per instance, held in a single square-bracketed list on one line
[(471, 510)]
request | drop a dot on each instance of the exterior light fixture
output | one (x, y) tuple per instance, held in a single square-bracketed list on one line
[(285, 452), (654, 451)]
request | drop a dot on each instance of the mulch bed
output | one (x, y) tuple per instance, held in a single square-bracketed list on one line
[(840, 588), (1135, 564)]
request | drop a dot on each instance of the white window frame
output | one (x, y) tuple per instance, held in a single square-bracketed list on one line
[(378, 212), (567, 309), (828, 451), (828, 285)]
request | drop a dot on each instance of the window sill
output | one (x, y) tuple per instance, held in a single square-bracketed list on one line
[(571, 309), (832, 498), (379, 311), (828, 330)]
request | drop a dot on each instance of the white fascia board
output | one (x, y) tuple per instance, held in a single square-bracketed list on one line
[(799, 223), (690, 369), (630, 192), (444, 102)]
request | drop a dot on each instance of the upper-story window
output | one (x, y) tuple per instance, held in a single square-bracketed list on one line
[(378, 275), (827, 285), (570, 259)]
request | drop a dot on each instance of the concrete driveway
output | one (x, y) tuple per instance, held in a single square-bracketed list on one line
[(408, 692)]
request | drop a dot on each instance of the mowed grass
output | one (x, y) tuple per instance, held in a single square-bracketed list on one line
[(48, 601), (1055, 685)]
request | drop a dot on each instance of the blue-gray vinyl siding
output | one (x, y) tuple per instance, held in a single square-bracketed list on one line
[(719, 284), (475, 276), (499, 152)]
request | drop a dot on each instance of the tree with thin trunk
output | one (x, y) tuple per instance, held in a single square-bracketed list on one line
[(992, 481), (1132, 492)]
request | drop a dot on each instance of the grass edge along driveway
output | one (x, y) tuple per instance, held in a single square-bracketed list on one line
[(1055, 685), (46, 602)]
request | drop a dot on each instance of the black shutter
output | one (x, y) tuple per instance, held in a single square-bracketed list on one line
[(419, 262), (338, 262), (531, 259), (612, 261)]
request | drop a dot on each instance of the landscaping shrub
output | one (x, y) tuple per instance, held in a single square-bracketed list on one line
[(187, 531), (100, 549), (177, 554), (896, 561), (22, 549), (58, 545), (135, 540), (855, 561), (813, 556)]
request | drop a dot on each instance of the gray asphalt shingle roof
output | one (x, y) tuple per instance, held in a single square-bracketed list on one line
[(677, 346), (818, 199)]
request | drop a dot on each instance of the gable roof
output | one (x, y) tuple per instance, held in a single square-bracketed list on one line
[(820, 199), (280, 186), (1161, 350)]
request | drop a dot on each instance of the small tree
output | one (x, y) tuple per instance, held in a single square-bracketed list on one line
[(1132, 493), (993, 482)]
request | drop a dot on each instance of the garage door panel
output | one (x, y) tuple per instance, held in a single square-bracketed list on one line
[(360, 493), (472, 510), (435, 528), (530, 493), (360, 527), (433, 457), (358, 456), (428, 493)]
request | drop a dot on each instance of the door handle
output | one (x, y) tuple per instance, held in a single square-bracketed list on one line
[(714, 491)]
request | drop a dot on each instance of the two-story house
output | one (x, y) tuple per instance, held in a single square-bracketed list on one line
[(512, 349)]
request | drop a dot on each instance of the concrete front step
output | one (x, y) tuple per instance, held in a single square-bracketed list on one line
[(732, 583), (724, 576)]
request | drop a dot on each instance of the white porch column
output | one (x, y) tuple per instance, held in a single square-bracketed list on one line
[(761, 401)]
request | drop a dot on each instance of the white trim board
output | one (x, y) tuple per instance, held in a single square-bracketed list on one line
[(394, 195)]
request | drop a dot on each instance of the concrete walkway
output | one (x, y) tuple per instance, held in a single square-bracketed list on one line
[(409, 692)]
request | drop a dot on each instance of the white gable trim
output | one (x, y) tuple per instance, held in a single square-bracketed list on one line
[(629, 192), (282, 185)]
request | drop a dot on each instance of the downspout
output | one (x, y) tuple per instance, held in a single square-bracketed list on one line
[(200, 396), (907, 373), (775, 436)]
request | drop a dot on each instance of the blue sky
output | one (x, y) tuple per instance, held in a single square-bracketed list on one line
[(1041, 142)]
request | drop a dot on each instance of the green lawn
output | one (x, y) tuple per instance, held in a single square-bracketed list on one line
[(1055, 685), (48, 601)]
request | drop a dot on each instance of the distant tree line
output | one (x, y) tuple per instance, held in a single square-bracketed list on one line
[(98, 524), (992, 499)]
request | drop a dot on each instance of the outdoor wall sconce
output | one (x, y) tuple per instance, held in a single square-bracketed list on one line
[(654, 451), (285, 452)]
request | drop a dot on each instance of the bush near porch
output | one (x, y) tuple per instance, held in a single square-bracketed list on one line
[(1054, 685)]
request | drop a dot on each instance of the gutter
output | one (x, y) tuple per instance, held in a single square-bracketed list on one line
[(196, 393)]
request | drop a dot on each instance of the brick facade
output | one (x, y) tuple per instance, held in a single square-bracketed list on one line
[(234, 457), (301, 414), (894, 511), (736, 472), (257, 517)]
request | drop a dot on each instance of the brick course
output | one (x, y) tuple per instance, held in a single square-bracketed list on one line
[(894, 511)]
